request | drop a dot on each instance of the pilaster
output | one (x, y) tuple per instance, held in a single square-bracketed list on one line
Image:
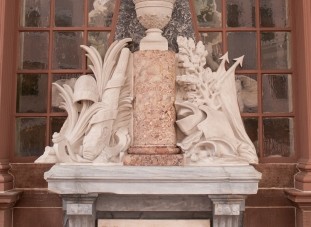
[(228, 210), (301, 194), (79, 210)]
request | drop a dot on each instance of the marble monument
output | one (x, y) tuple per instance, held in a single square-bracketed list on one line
[(153, 125)]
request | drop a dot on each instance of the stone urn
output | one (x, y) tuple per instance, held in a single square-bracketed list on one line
[(154, 15)]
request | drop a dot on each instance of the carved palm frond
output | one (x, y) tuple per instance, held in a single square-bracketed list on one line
[(68, 105)]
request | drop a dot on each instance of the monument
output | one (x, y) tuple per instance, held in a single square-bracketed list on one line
[(153, 125)]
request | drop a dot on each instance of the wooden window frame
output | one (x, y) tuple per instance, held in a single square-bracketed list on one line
[(301, 66)]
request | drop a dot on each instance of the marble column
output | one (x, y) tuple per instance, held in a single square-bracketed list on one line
[(79, 210), (154, 136)]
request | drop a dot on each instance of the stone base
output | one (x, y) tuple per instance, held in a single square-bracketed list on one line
[(164, 150), (89, 189), (153, 160)]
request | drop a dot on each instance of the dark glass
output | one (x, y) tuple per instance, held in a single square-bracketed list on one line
[(34, 48), (99, 40), (67, 52), (69, 13), (56, 125), (32, 93), (247, 91), (209, 13), (213, 44), (274, 13), (278, 137), (101, 13), (251, 128), (241, 13), (276, 50), (35, 13), (61, 79), (277, 93), (30, 136), (243, 43)]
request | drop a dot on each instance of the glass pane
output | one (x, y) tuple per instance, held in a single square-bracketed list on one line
[(241, 13), (30, 136), (277, 93), (101, 12), (251, 127), (56, 125), (99, 40), (276, 50), (34, 50), (35, 13), (208, 13), (67, 52), (274, 13), (278, 137), (243, 43), (31, 93), (213, 43), (69, 13), (61, 79), (247, 91)]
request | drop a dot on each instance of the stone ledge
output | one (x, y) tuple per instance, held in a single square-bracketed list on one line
[(161, 180)]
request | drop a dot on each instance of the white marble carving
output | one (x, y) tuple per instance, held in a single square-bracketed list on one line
[(208, 116), (99, 111), (154, 15)]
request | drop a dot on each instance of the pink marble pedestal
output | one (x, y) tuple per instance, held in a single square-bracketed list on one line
[(154, 136)]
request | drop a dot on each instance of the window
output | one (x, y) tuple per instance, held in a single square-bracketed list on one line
[(50, 33), (260, 30)]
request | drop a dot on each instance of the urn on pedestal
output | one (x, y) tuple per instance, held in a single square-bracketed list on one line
[(154, 15)]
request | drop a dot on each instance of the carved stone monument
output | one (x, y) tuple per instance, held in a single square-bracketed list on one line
[(176, 123)]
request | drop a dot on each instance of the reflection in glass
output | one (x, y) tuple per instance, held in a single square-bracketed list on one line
[(61, 79), (241, 13), (275, 50), (277, 93), (208, 13), (274, 13), (35, 13), (101, 12), (56, 125), (247, 92), (251, 127), (99, 40), (34, 50), (278, 137), (69, 13), (213, 44), (30, 136), (67, 52), (31, 93), (243, 43)]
